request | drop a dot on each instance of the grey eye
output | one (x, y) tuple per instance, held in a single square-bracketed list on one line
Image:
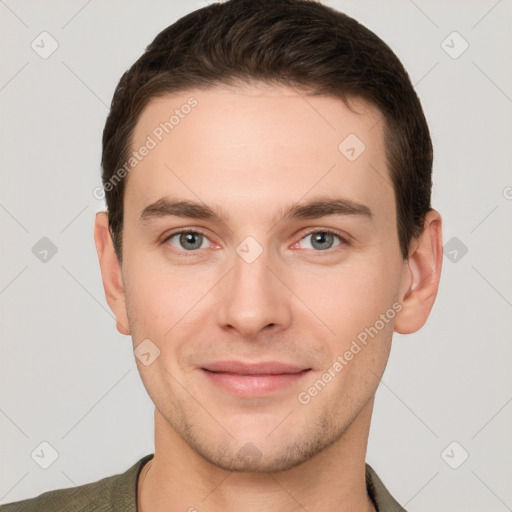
[(188, 241), (321, 240)]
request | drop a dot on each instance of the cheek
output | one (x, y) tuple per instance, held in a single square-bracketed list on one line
[(161, 297), (151, 297), (347, 298), (350, 302)]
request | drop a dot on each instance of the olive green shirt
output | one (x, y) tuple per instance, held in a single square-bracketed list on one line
[(118, 493)]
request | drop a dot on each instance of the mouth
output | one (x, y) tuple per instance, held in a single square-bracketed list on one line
[(253, 380)]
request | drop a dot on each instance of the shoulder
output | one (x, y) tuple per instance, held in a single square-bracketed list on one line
[(379, 494), (117, 492), (93, 496)]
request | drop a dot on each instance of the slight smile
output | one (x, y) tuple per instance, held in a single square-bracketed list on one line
[(253, 380)]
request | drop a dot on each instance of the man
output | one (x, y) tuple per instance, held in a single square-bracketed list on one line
[(267, 168)]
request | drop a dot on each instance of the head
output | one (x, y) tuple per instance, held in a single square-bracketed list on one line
[(287, 140)]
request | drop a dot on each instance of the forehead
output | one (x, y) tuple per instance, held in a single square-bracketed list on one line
[(258, 144)]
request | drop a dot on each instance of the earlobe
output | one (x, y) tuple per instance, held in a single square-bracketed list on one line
[(424, 271), (111, 273), (121, 328)]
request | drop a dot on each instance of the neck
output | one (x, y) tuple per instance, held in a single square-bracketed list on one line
[(178, 478)]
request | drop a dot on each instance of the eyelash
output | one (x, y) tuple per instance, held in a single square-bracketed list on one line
[(343, 240)]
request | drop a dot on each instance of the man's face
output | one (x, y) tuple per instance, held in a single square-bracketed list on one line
[(258, 285)]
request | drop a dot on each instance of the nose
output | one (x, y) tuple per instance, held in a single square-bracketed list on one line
[(252, 298)]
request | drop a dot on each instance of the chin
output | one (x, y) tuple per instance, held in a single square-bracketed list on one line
[(262, 456)]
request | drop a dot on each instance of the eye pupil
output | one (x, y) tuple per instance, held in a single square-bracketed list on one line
[(320, 238), (191, 241)]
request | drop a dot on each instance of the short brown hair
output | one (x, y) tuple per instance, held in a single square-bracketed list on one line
[(299, 43)]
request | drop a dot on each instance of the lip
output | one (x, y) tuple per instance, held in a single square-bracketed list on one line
[(253, 379)]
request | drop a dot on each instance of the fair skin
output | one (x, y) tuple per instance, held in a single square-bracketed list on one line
[(249, 154)]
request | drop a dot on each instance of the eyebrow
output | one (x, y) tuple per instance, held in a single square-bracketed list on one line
[(322, 207)]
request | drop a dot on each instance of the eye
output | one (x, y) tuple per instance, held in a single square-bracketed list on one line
[(321, 240), (188, 240)]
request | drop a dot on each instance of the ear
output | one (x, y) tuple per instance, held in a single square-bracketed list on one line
[(424, 271), (111, 273)]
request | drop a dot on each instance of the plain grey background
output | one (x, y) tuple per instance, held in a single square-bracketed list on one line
[(70, 380)]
